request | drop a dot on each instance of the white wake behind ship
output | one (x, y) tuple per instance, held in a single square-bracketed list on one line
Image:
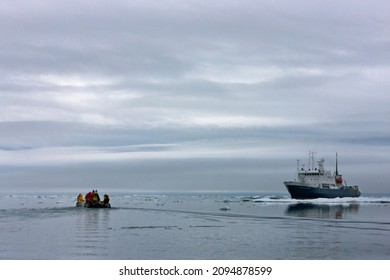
[(319, 183)]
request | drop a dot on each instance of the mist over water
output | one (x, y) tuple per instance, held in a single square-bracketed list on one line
[(194, 226)]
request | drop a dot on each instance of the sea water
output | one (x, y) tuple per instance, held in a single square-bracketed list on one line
[(197, 226)]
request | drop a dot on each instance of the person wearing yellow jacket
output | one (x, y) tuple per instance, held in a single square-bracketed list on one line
[(80, 200)]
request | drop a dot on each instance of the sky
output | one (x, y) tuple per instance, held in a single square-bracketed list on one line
[(192, 95)]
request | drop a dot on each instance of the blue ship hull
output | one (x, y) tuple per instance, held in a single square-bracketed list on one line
[(302, 191)]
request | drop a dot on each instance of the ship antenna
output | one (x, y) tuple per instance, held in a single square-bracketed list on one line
[(311, 159), (337, 171)]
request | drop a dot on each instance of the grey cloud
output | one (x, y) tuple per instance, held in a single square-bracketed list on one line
[(186, 77)]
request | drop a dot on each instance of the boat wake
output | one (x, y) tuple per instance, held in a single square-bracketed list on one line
[(344, 200)]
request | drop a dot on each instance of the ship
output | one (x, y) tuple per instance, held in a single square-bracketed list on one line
[(316, 182)]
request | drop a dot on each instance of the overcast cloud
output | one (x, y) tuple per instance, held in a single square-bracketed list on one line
[(191, 95)]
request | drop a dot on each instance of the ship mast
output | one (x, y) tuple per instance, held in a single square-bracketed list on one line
[(338, 178), (311, 159)]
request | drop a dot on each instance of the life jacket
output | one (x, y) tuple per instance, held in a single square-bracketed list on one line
[(95, 197), (88, 197), (80, 198)]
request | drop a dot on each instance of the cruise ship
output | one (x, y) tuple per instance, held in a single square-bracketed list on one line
[(316, 182)]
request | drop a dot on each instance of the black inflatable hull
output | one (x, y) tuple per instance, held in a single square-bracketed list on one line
[(97, 205)]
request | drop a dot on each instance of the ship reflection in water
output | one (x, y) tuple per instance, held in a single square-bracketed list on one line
[(322, 211)]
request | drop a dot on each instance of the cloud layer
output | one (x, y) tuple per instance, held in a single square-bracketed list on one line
[(95, 85)]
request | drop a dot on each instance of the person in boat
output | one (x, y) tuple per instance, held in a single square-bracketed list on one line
[(80, 198), (95, 197), (106, 200), (88, 198)]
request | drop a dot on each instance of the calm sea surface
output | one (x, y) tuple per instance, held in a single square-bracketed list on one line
[(194, 226)]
